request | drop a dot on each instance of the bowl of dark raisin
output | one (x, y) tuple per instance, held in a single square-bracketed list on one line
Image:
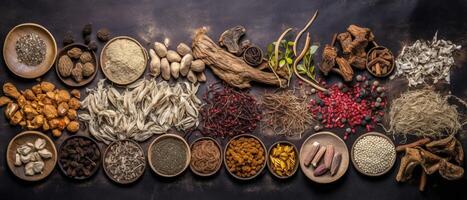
[(79, 157)]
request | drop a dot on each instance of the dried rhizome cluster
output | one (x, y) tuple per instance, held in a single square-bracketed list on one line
[(444, 156), (42, 107), (354, 43), (170, 63)]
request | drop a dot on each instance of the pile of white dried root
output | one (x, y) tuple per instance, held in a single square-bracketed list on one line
[(170, 63), (425, 60), (145, 108)]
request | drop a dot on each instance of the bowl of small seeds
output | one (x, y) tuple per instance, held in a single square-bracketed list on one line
[(169, 155), (373, 154), (283, 159), (124, 161), (245, 156)]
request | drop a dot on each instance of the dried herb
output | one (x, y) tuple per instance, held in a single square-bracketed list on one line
[(280, 57), (228, 112), (124, 161)]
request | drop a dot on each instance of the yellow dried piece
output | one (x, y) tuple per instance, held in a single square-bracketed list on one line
[(282, 159)]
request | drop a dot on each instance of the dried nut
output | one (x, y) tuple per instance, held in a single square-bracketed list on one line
[(191, 77), (161, 49), (50, 112), (18, 160), (165, 69), (44, 153), (62, 96), (4, 101), (103, 34), (172, 56), (73, 127), (75, 93), (47, 86), (85, 57), (72, 114), (328, 156), (62, 109), (74, 52), (77, 72), (185, 64), (183, 49), (10, 90), (74, 103), (336, 161), (155, 64), (201, 77), (175, 69), (56, 133), (88, 69), (320, 170), (39, 143), (197, 66), (10, 110), (65, 65), (29, 95), (311, 154), (318, 156)]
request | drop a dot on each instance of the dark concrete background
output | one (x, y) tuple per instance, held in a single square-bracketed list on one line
[(394, 23)]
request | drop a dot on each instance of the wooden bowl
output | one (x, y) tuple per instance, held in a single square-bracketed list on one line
[(103, 59), (30, 136), (110, 175), (297, 160), (368, 58), (375, 134), (10, 56), (324, 138), (150, 154), (220, 161), (69, 80), (60, 165), (225, 157)]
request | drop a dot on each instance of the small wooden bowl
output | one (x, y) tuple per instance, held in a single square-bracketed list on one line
[(150, 154), (225, 157), (324, 138), (375, 134), (60, 165), (108, 173), (69, 80), (220, 161), (10, 56), (103, 59), (368, 58), (22, 138), (297, 160)]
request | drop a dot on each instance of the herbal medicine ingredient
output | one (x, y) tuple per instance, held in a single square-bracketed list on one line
[(205, 156), (124, 161), (30, 49), (283, 159), (169, 156), (245, 156), (374, 154)]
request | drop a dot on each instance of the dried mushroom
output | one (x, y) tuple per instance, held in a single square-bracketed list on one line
[(230, 39)]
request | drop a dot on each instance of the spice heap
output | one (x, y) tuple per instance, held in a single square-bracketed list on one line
[(373, 154), (426, 61), (327, 153), (124, 161), (169, 156), (285, 113), (31, 155), (228, 112), (423, 113), (170, 63), (77, 63), (125, 61), (205, 156), (79, 157), (341, 106), (283, 159), (42, 107), (444, 156), (245, 156), (144, 109), (30, 49)]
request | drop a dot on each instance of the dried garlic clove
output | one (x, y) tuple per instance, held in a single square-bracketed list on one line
[(18, 160), (24, 150), (26, 158), (38, 166), (44, 153), (29, 169)]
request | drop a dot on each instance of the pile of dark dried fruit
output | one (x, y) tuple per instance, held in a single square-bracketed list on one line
[(79, 157)]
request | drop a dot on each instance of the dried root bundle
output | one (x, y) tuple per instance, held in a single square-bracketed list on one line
[(423, 113)]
